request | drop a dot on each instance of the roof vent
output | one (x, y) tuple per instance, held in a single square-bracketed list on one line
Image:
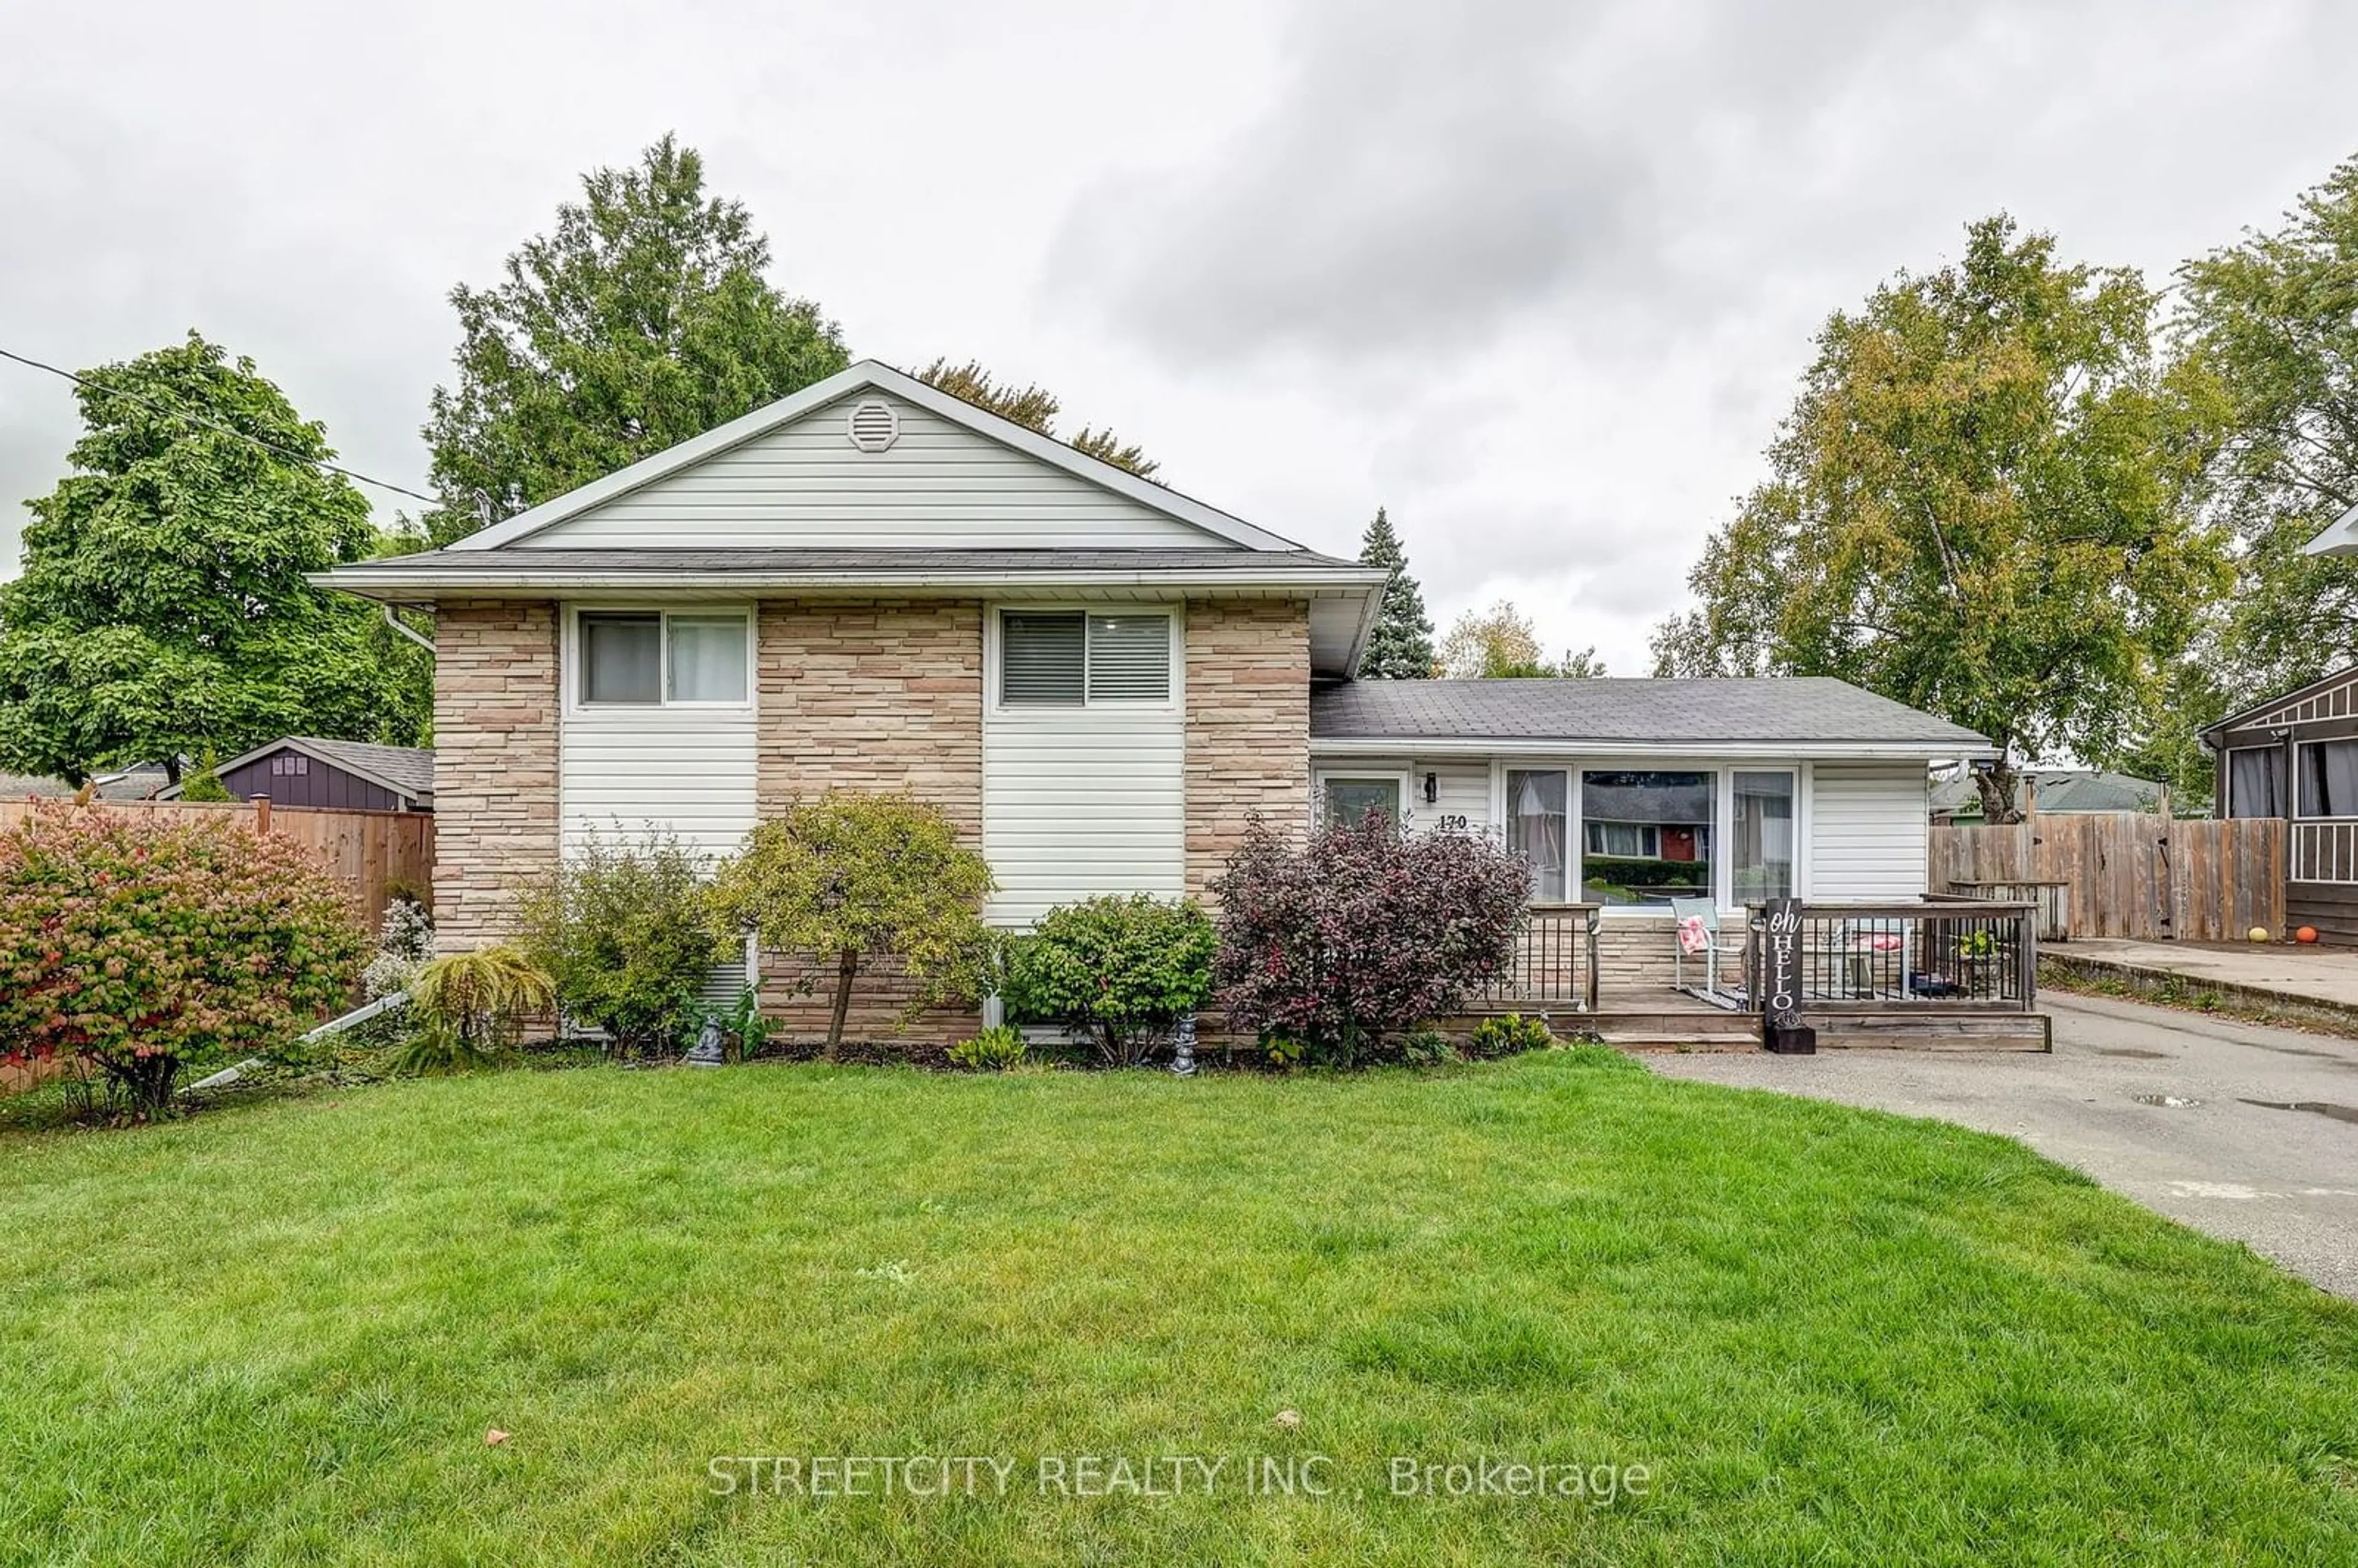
[(873, 426)]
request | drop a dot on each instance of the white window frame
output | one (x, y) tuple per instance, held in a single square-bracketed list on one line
[(1375, 773), (1723, 771), (994, 642), (573, 668)]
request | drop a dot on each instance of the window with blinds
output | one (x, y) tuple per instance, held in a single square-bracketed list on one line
[(1067, 659)]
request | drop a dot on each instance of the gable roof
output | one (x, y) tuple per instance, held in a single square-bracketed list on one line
[(2340, 538), (404, 770), (1777, 712), (2059, 790), (864, 375), (2274, 708)]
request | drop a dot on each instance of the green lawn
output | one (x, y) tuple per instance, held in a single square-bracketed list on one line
[(279, 1334)]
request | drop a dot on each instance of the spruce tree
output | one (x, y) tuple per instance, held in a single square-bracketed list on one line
[(1401, 647)]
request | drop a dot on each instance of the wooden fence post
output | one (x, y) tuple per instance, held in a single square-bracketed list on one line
[(262, 814)]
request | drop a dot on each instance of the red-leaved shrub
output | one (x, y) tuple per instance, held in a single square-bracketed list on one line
[(1362, 933), (136, 942)]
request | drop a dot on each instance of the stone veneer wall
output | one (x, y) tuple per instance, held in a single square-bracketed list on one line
[(1635, 959), (1248, 735), (495, 706), (878, 695)]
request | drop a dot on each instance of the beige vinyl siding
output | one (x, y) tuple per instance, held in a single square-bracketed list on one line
[(1866, 830), (1078, 802), (804, 484)]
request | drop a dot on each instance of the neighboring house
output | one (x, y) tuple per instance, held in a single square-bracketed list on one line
[(2049, 791), (873, 585), (141, 783), (2296, 756), (347, 775)]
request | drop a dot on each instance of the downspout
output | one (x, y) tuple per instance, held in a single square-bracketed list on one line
[(394, 621)]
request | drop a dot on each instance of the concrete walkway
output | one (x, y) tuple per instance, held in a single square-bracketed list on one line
[(2299, 976), (2245, 1133)]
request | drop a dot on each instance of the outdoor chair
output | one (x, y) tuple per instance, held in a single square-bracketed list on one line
[(1696, 939)]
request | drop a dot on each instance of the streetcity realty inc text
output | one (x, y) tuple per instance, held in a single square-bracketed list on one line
[(830, 1476)]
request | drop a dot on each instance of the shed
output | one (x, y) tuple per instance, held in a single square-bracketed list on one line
[(2296, 756), (344, 775)]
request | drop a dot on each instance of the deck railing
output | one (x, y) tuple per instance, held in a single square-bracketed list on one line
[(2324, 849), (1554, 966), (1970, 954)]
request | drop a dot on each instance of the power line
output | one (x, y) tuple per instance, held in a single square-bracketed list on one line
[(273, 447)]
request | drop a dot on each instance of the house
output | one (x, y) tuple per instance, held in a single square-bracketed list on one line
[(2296, 756), (872, 584), (139, 783), (344, 775), (2050, 792)]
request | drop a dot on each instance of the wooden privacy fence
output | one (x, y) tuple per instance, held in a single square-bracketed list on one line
[(372, 853), (2144, 878)]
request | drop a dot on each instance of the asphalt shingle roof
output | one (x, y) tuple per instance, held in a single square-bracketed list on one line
[(1799, 708), (406, 767)]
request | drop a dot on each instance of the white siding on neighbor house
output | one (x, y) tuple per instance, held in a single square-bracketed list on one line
[(1081, 801), (1866, 830), (804, 484), (624, 772)]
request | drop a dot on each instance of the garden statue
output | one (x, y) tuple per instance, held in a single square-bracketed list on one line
[(707, 1050), (1183, 1051)]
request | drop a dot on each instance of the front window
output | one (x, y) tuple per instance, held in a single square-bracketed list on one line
[(1350, 799), (2329, 778), (1067, 659), (1535, 828), (2256, 780), (648, 658), (1647, 836), (1760, 859)]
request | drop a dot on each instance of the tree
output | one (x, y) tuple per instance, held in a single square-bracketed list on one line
[(1500, 644), (852, 877), (1401, 646), (2267, 339), (643, 319), (1034, 409), (1977, 506), (162, 610)]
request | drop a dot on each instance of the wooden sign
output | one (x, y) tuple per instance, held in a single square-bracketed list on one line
[(1780, 980)]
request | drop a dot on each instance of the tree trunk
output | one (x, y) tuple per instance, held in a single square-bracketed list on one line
[(847, 964), (1998, 785)]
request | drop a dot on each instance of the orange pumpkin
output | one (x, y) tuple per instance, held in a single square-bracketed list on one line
[(2306, 934)]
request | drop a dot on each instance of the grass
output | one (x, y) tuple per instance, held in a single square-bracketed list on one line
[(279, 1335), (2183, 994)]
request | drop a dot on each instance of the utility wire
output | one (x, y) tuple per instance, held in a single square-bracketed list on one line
[(216, 424)]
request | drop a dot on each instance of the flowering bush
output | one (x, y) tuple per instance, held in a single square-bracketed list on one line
[(137, 943), (405, 940), (1362, 933), (1124, 969)]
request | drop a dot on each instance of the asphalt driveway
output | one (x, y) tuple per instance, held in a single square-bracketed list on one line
[(2178, 1111)]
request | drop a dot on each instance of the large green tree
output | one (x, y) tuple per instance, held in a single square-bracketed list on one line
[(2268, 332), (642, 318), (163, 611), (1035, 408), (1501, 643), (1401, 646), (1978, 506)]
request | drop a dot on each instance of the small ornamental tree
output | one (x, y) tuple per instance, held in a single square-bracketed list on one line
[(1125, 970), (853, 877), (624, 932), (1363, 932), (137, 943)]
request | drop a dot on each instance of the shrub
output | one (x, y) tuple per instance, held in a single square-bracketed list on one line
[(626, 935), (405, 940), (204, 785), (995, 1050), (137, 943), (852, 877), (1510, 1034), (744, 1032), (1124, 969), (468, 1004), (1362, 933), (1426, 1047)]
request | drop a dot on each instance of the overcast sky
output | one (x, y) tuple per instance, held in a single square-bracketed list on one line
[(1539, 277)]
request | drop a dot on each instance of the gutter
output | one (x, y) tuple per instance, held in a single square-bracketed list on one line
[(381, 584), (1548, 748)]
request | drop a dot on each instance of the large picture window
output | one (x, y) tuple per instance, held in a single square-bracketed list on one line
[(1068, 659), (648, 658), (2329, 778), (2255, 785), (1535, 828), (1646, 837)]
